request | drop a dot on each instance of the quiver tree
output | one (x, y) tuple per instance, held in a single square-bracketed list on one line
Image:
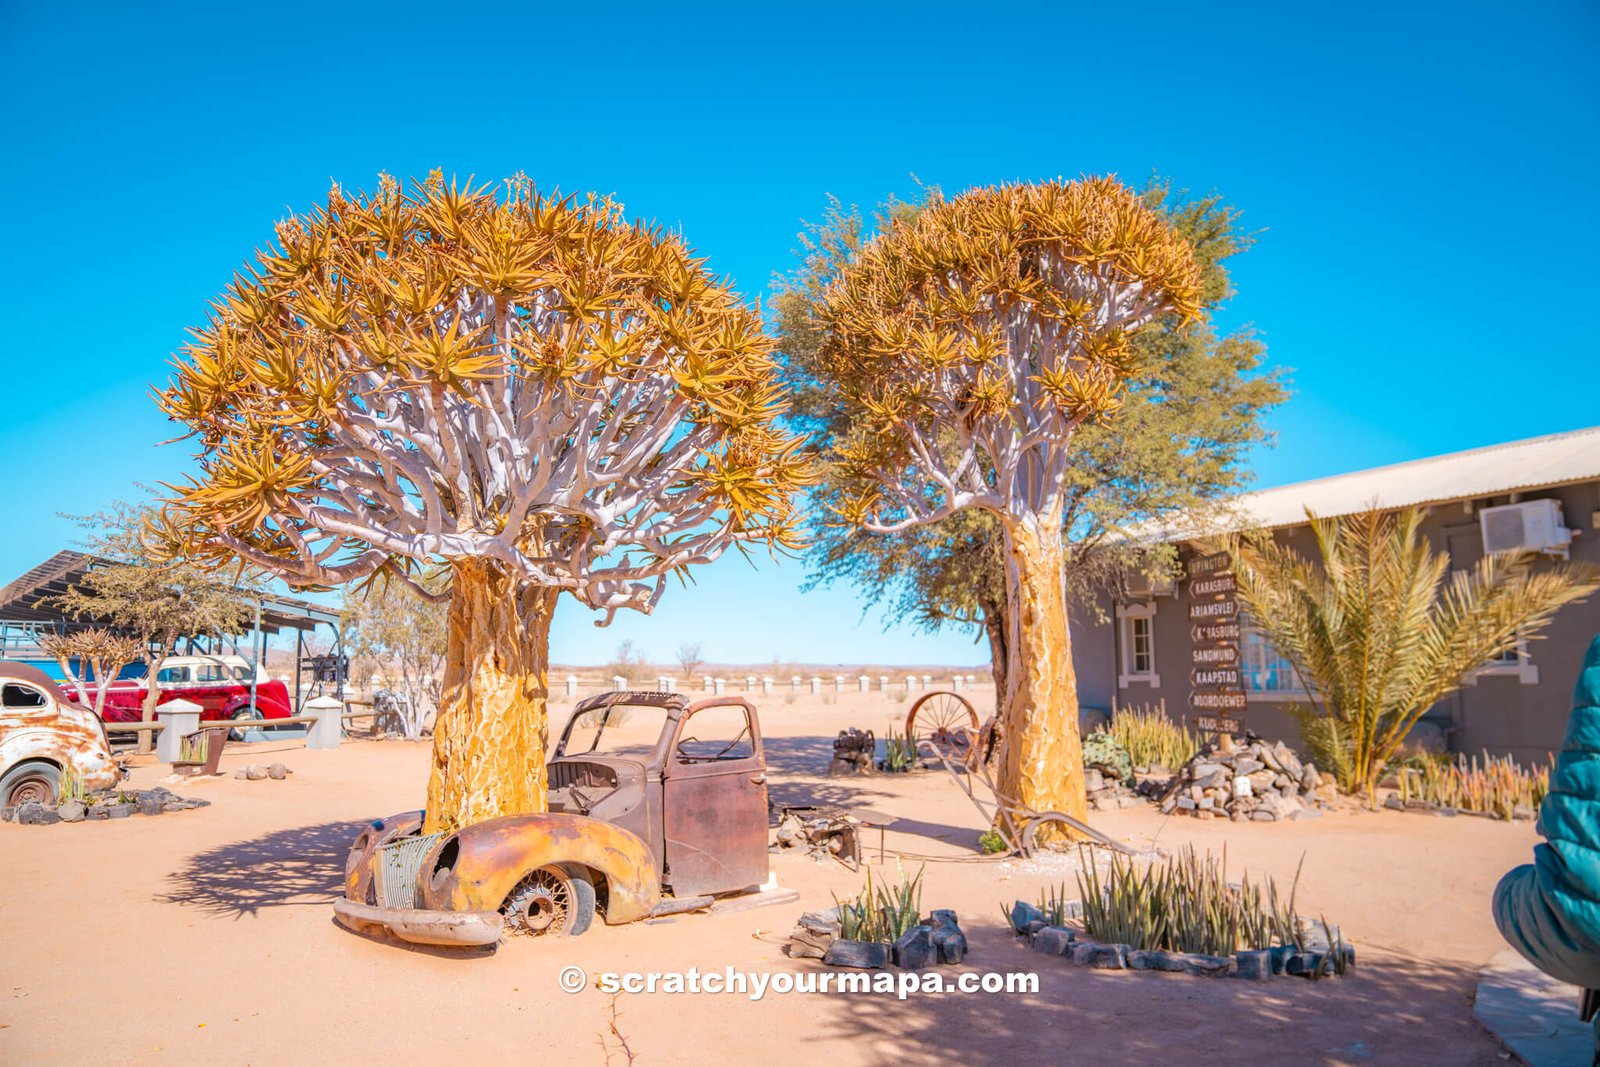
[(528, 390), (969, 343), (92, 657)]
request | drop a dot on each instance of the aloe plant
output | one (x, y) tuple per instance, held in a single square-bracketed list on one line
[(899, 753), (1185, 903), (881, 911)]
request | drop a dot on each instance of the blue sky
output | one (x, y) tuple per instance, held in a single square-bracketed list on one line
[(1424, 176)]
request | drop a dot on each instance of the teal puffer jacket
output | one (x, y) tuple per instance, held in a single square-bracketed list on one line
[(1550, 910)]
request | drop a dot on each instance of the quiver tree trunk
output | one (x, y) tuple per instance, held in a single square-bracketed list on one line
[(490, 732), (1041, 761)]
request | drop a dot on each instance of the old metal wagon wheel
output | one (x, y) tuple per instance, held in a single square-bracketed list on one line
[(551, 902), (947, 721)]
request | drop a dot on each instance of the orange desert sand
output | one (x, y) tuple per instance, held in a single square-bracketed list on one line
[(206, 937)]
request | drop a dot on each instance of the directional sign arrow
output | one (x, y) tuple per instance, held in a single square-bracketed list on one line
[(1214, 585), (1214, 656), (1212, 564), (1217, 724), (1214, 677), (1213, 609), (1217, 701), (1215, 631)]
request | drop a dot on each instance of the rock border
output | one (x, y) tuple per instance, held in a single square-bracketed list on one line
[(1317, 961)]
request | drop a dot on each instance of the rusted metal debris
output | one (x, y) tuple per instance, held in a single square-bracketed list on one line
[(820, 831), (649, 796), (854, 752)]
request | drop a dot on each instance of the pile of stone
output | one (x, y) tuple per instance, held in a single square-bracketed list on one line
[(117, 804), (1107, 792), (1322, 952), (257, 771), (822, 832), (854, 752), (938, 940), (1260, 780)]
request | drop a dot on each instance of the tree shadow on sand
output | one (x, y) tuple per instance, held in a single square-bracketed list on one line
[(286, 868), (1398, 1011), (797, 769)]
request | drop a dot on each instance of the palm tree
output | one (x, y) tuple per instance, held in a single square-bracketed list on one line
[(1380, 631)]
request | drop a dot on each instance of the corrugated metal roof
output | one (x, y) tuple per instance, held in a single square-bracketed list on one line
[(1534, 463)]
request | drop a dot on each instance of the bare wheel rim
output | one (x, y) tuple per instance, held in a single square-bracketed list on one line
[(35, 788), (544, 903), (945, 719)]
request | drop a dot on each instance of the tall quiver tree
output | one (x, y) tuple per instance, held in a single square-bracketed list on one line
[(970, 342), (529, 390)]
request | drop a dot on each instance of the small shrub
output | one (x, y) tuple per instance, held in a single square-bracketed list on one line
[(991, 842), (71, 786), (1497, 788), (899, 754), (1151, 739), (881, 912), (1106, 753)]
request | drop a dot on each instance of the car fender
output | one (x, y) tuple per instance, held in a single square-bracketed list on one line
[(490, 858), (67, 745)]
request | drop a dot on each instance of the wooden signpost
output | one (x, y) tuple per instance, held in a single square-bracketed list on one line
[(1215, 679)]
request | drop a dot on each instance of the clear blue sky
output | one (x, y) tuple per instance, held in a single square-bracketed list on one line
[(1425, 175)]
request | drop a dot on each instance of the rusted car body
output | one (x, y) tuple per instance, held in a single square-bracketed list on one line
[(657, 805), (43, 733)]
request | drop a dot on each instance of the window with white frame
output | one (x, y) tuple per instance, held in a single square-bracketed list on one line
[(1515, 662), (1266, 671), (1138, 633)]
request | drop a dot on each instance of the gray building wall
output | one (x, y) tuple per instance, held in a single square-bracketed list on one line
[(1522, 713)]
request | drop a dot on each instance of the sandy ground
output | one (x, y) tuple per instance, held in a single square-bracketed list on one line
[(206, 937)]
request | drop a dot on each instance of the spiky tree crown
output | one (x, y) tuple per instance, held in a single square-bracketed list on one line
[(972, 339), (444, 373)]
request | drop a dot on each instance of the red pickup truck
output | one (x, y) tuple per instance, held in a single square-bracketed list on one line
[(219, 684)]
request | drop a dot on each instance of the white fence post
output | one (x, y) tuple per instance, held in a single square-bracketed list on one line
[(708, 684), (750, 683), (324, 733), (618, 682), (766, 687), (718, 683), (911, 684), (178, 719), (816, 685), (838, 683), (865, 684), (883, 682), (572, 685), (927, 682), (795, 681)]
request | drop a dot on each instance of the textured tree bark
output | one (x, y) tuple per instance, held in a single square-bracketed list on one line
[(1041, 760), (994, 626), (489, 736)]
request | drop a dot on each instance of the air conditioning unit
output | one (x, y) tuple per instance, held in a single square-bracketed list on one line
[(1533, 526), (1142, 585)]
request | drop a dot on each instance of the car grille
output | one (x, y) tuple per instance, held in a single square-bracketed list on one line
[(397, 869)]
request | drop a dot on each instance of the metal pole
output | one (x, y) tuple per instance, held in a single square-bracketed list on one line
[(256, 669), (299, 650)]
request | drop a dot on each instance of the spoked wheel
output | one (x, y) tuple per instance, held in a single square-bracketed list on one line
[(946, 720), (551, 902)]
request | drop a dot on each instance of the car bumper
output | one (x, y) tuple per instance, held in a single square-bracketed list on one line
[(421, 927)]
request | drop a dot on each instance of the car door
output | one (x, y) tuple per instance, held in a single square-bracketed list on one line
[(714, 796)]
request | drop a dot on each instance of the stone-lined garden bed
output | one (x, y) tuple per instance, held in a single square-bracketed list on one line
[(116, 804)]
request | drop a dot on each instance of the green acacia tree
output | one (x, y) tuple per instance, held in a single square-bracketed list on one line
[(1190, 415), (1380, 630)]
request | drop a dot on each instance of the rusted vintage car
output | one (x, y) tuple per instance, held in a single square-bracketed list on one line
[(657, 805), (43, 733)]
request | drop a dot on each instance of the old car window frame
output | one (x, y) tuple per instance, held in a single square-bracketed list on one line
[(5, 697), (593, 749), (747, 734)]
